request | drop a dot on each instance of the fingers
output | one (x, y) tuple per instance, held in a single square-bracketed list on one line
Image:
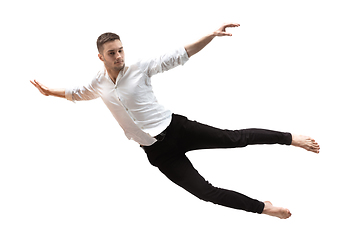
[(220, 34), (36, 84), (231, 25), (222, 29), (40, 87), (228, 25)]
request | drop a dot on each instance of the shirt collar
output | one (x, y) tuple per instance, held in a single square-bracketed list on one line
[(120, 75)]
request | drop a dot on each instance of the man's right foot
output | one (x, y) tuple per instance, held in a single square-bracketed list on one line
[(279, 212)]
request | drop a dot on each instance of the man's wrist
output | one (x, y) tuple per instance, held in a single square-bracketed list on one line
[(212, 35), (56, 92)]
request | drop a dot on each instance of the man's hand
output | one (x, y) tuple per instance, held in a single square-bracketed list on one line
[(47, 91), (222, 30), (44, 90)]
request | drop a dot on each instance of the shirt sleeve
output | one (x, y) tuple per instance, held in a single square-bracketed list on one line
[(88, 92), (164, 62)]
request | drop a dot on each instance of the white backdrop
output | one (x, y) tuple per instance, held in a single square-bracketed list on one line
[(68, 172)]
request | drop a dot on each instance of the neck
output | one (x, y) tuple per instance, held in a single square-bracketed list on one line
[(113, 73)]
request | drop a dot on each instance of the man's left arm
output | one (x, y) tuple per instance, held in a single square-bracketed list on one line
[(179, 57), (195, 47)]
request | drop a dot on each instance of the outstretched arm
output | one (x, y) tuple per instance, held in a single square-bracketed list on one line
[(195, 47), (47, 91)]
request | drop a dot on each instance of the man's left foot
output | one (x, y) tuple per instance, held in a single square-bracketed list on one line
[(305, 142), (282, 213)]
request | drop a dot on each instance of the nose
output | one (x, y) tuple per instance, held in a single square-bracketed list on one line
[(118, 56)]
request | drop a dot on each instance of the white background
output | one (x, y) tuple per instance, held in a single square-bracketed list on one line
[(68, 172)]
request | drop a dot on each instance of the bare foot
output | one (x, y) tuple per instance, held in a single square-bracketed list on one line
[(279, 212), (305, 142)]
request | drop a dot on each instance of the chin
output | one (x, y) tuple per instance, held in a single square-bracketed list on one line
[(120, 67)]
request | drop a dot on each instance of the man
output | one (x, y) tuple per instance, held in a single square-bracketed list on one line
[(166, 137)]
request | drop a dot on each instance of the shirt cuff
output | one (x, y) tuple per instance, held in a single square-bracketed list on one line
[(68, 95), (184, 56)]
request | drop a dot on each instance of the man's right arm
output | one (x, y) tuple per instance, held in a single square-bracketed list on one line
[(47, 91), (88, 92)]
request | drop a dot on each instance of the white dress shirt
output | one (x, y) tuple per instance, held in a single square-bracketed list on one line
[(131, 99)]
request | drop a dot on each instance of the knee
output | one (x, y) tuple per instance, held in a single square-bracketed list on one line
[(237, 138), (207, 194)]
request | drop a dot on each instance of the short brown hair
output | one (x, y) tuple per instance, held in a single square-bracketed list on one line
[(104, 38)]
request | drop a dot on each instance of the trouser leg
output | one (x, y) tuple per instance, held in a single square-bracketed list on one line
[(195, 136), (180, 170)]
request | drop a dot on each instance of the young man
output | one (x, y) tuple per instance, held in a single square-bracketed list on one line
[(166, 137)]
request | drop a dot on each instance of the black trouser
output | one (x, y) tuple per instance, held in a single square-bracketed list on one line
[(183, 135)]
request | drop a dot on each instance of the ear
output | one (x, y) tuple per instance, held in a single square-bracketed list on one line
[(101, 57)]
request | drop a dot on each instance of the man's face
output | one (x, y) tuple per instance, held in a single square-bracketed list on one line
[(113, 55)]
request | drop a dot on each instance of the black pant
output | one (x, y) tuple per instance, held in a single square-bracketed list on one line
[(183, 135)]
